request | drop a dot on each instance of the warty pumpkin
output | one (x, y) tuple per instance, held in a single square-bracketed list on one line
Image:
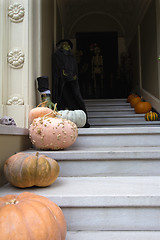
[(134, 101), (151, 116), (30, 216), (143, 107), (76, 116), (26, 170), (52, 133)]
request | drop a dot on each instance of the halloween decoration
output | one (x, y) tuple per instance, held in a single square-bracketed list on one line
[(38, 112), (143, 107), (131, 96), (52, 133), (134, 101), (151, 116), (27, 170), (30, 216), (76, 116)]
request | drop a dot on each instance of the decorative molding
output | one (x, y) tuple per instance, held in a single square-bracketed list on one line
[(15, 101), (16, 58), (16, 12)]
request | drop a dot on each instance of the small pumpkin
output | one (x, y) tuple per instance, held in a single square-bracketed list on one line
[(151, 116), (143, 107), (38, 112), (76, 116), (30, 216), (52, 133), (131, 96), (27, 170), (134, 101)]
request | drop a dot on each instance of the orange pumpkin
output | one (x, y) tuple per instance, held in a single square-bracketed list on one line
[(131, 96), (27, 170), (38, 112), (52, 133), (134, 101), (143, 107), (30, 216)]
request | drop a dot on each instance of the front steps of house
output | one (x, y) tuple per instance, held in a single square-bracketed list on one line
[(106, 205), (115, 112), (109, 183)]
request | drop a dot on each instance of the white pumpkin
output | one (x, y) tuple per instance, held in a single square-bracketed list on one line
[(76, 116)]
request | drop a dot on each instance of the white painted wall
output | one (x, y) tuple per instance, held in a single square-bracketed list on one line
[(149, 52)]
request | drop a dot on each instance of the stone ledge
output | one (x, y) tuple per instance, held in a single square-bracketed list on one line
[(11, 130)]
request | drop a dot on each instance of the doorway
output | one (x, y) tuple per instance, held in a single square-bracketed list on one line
[(97, 57)]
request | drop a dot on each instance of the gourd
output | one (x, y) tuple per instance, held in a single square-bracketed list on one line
[(27, 170), (30, 216), (52, 133), (143, 107), (151, 116), (131, 96), (76, 116), (134, 101)]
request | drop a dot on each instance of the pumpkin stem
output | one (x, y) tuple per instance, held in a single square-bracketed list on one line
[(37, 154), (12, 201), (53, 112), (42, 104)]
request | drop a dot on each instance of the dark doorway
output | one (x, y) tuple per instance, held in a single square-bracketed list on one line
[(97, 56)]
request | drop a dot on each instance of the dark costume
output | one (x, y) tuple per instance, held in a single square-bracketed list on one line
[(65, 86)]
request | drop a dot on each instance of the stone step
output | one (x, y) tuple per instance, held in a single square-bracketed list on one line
[(101, 122), (105, 114), (93, 162), (104, 203), (113, 235), (107, 104), (118, 137), (95, 101), (110, 108)]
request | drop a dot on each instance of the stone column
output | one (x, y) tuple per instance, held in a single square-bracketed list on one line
[(20, 62)]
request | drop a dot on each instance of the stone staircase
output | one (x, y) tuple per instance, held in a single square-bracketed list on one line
[(109, 183)]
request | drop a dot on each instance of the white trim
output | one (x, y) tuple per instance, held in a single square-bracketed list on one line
[(155, 102), (3, 55)]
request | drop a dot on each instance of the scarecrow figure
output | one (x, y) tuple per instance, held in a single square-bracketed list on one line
[(65, 86)]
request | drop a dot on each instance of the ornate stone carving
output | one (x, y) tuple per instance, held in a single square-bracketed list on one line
[(16, 12), (15, 101), (16, 58)]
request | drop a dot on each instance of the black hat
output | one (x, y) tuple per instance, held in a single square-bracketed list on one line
[(65, 40)]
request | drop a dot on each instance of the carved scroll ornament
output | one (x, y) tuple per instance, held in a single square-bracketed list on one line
[(15, 101)]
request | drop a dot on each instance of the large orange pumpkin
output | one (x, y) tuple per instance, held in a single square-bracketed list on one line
[(52, 133), (143, 107), (134, 101), (27, 170), (30, 216)]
